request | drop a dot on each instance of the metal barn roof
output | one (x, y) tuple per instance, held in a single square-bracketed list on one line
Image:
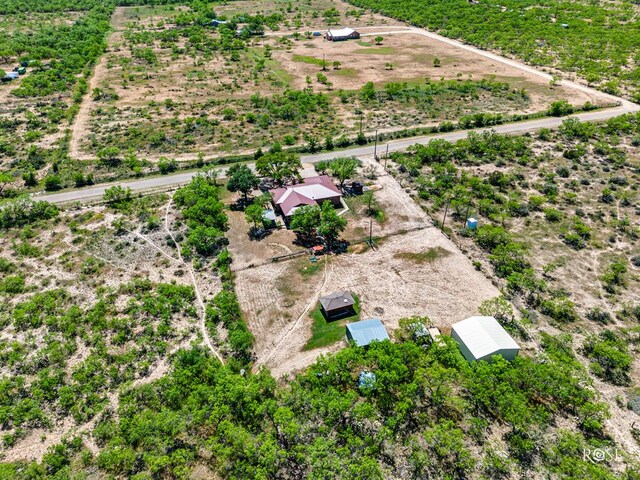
[(366, 331), (343, 32), (311, 191), (483, 337)]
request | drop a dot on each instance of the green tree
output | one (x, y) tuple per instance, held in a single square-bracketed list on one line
[(253, 213), (281, 167), (322, 167), (331, 224), (610, 357), (5, 179), (368, 91), (242, 179), (378, 40), (109, 155), (499, 308), (344, 168), (305, 221), (117, 196), (205, 240)]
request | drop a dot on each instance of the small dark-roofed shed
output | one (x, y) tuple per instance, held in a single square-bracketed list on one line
[(337, 305)]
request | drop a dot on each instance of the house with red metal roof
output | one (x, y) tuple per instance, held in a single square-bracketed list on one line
[(312, 191)]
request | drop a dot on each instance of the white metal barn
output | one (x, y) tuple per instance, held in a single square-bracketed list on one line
[(480, 338)]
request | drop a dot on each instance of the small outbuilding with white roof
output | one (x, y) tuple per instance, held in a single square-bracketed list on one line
[(480, 338)]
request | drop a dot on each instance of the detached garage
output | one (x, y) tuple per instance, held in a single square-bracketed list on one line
[(480, 338)]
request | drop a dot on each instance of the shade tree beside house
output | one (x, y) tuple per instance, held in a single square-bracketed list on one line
[(281, 167)]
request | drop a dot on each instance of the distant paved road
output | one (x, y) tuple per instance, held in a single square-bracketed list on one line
[(167, 182)]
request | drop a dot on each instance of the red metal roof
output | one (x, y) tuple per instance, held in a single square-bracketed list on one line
[(311, 191)]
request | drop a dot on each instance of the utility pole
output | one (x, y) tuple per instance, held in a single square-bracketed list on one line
[(386, 157), (446, 209), (375, 148), (371, 232), (324, 64), (466, 216)]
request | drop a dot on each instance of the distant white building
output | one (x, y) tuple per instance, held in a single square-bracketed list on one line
[(341, 34), (480, 338)]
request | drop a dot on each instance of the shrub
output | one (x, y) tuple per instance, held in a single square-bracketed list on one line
[(607, 196), (615, 276), (552, 214), (117, 196), (560, 309), (610, 357), (167, 165), (24, 211), (12, 285), (6, 266), (598, 315), (490, 236), (52, 182), (560, 108)]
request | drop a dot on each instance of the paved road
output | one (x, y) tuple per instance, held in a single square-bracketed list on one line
[(167, 182)]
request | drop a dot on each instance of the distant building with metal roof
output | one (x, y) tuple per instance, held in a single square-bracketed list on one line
[(337, 305), (480, 338), (341, 34), (367, 331)]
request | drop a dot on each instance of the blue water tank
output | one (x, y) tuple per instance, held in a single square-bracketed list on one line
[(472, 223)]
